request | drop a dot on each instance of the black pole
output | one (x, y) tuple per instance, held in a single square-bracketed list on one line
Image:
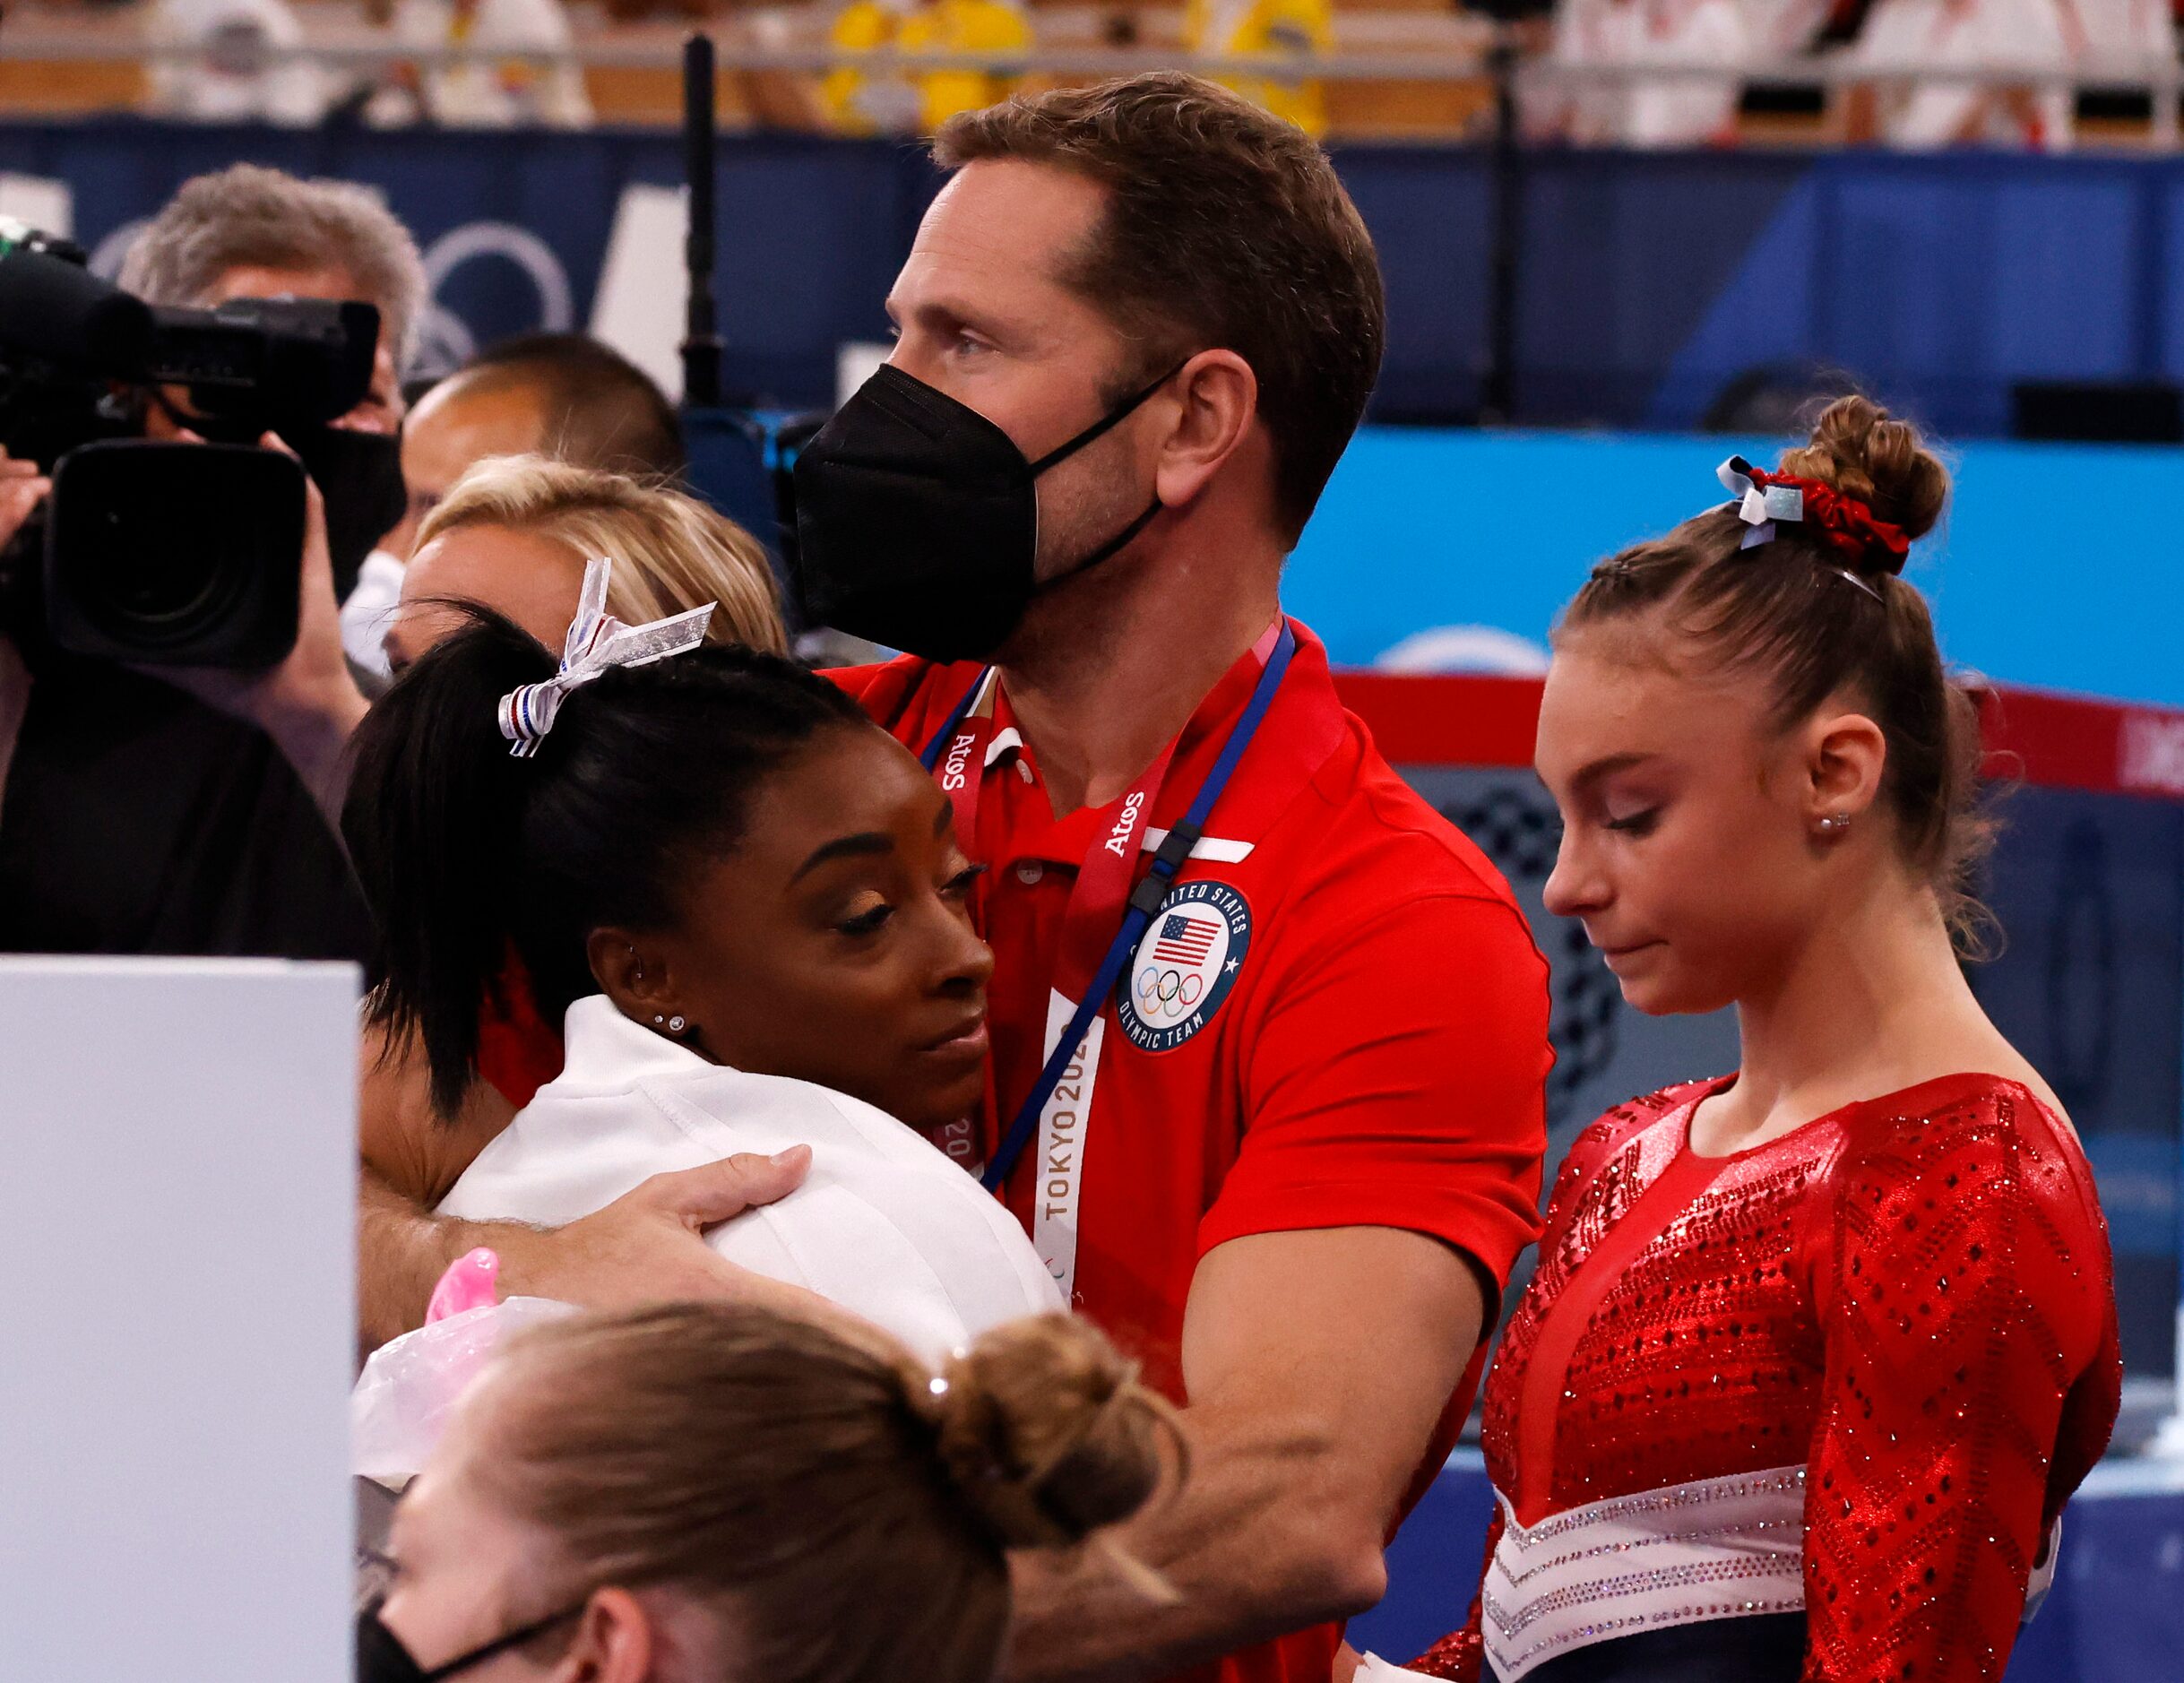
[(702, 339), (1505, 234)]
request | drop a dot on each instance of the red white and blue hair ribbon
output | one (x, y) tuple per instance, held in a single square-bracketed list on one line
[(1844, 523), (1758, 503), (597, 641)]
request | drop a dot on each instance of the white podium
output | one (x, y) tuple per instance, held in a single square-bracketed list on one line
[(177, 1173)]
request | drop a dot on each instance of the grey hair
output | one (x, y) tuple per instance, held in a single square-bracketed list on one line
[(248, 215)]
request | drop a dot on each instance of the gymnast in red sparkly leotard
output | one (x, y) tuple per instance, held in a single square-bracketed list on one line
[(1814, 1355), (1899, 1313)]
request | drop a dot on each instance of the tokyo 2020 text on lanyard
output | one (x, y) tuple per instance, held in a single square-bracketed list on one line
[(957, 754)]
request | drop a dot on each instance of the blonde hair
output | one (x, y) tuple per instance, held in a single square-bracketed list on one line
[(846, 1509), (671, 552)]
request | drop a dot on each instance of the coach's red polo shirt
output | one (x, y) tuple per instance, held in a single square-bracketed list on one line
[(1366, 1044)]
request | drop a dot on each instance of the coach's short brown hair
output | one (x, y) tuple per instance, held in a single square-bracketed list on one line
[(1225, 228)]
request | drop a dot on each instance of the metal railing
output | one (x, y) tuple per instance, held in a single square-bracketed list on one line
[(1427, 62), (1500, 53)]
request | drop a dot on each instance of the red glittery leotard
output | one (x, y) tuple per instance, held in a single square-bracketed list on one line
[(1911, 1297)]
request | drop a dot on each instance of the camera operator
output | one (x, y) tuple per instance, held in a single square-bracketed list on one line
[(250, 232), (181, 811)]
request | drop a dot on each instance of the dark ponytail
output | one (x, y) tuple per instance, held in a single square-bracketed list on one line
[(468, 854), (434, 807)]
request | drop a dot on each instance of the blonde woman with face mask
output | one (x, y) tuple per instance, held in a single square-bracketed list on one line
[(1816, 1350)]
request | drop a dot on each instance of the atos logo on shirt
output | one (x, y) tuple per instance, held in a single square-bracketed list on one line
[(1186, 962)]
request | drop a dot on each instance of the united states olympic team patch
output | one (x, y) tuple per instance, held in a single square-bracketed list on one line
[(1185, 965)]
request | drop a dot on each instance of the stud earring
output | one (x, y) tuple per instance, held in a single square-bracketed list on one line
[(676, 1025), (1835, 823), (658, 1019)]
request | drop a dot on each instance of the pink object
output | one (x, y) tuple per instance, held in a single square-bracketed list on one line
[(471, 1282)]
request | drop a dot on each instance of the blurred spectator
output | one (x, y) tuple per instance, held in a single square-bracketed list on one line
[(2123, 32), (2028, 37), (1777, 29), (232, 73), (720, 1494), (140, 818), (1290, 29), (863, 102), (563, 395), (541, 86), (1665, 110)]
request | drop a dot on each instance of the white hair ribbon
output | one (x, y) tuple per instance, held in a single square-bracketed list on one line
[(1759, 506), (597, 641)]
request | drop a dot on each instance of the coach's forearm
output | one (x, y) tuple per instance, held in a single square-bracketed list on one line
[(1317, 1362), (403, 1249), (1267, 1535)]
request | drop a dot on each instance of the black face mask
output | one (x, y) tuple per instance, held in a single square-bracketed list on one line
[(381, 1659), (918, 520), (359, 475)]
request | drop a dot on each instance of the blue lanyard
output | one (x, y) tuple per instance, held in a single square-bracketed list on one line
[(930, 758), (1144, 899)]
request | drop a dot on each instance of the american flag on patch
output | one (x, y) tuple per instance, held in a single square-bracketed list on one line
[(1184, 940)]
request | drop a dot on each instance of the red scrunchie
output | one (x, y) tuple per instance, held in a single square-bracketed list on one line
[(1845, 521)]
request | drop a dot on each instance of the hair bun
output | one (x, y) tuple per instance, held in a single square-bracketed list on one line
[(1045, 1431), (1860, 450)]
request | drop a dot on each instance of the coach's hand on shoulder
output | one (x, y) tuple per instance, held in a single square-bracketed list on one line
[(648, 1246)]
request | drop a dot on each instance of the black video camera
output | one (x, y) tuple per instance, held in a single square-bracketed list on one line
[(166, 552)]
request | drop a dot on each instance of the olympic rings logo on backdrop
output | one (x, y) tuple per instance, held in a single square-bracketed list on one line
[(445, 341), (1186, 962)]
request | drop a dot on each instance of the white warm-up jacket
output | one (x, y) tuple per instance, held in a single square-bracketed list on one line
[(885, 1224)]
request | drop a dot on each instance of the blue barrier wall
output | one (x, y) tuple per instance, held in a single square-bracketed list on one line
[(2060, 566), (1647, 281)]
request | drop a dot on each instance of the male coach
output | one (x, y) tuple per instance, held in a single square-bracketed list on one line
[(1269, 1035)]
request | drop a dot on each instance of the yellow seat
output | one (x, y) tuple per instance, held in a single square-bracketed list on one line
[(940, 27), (1296, 29), (963, 26)]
